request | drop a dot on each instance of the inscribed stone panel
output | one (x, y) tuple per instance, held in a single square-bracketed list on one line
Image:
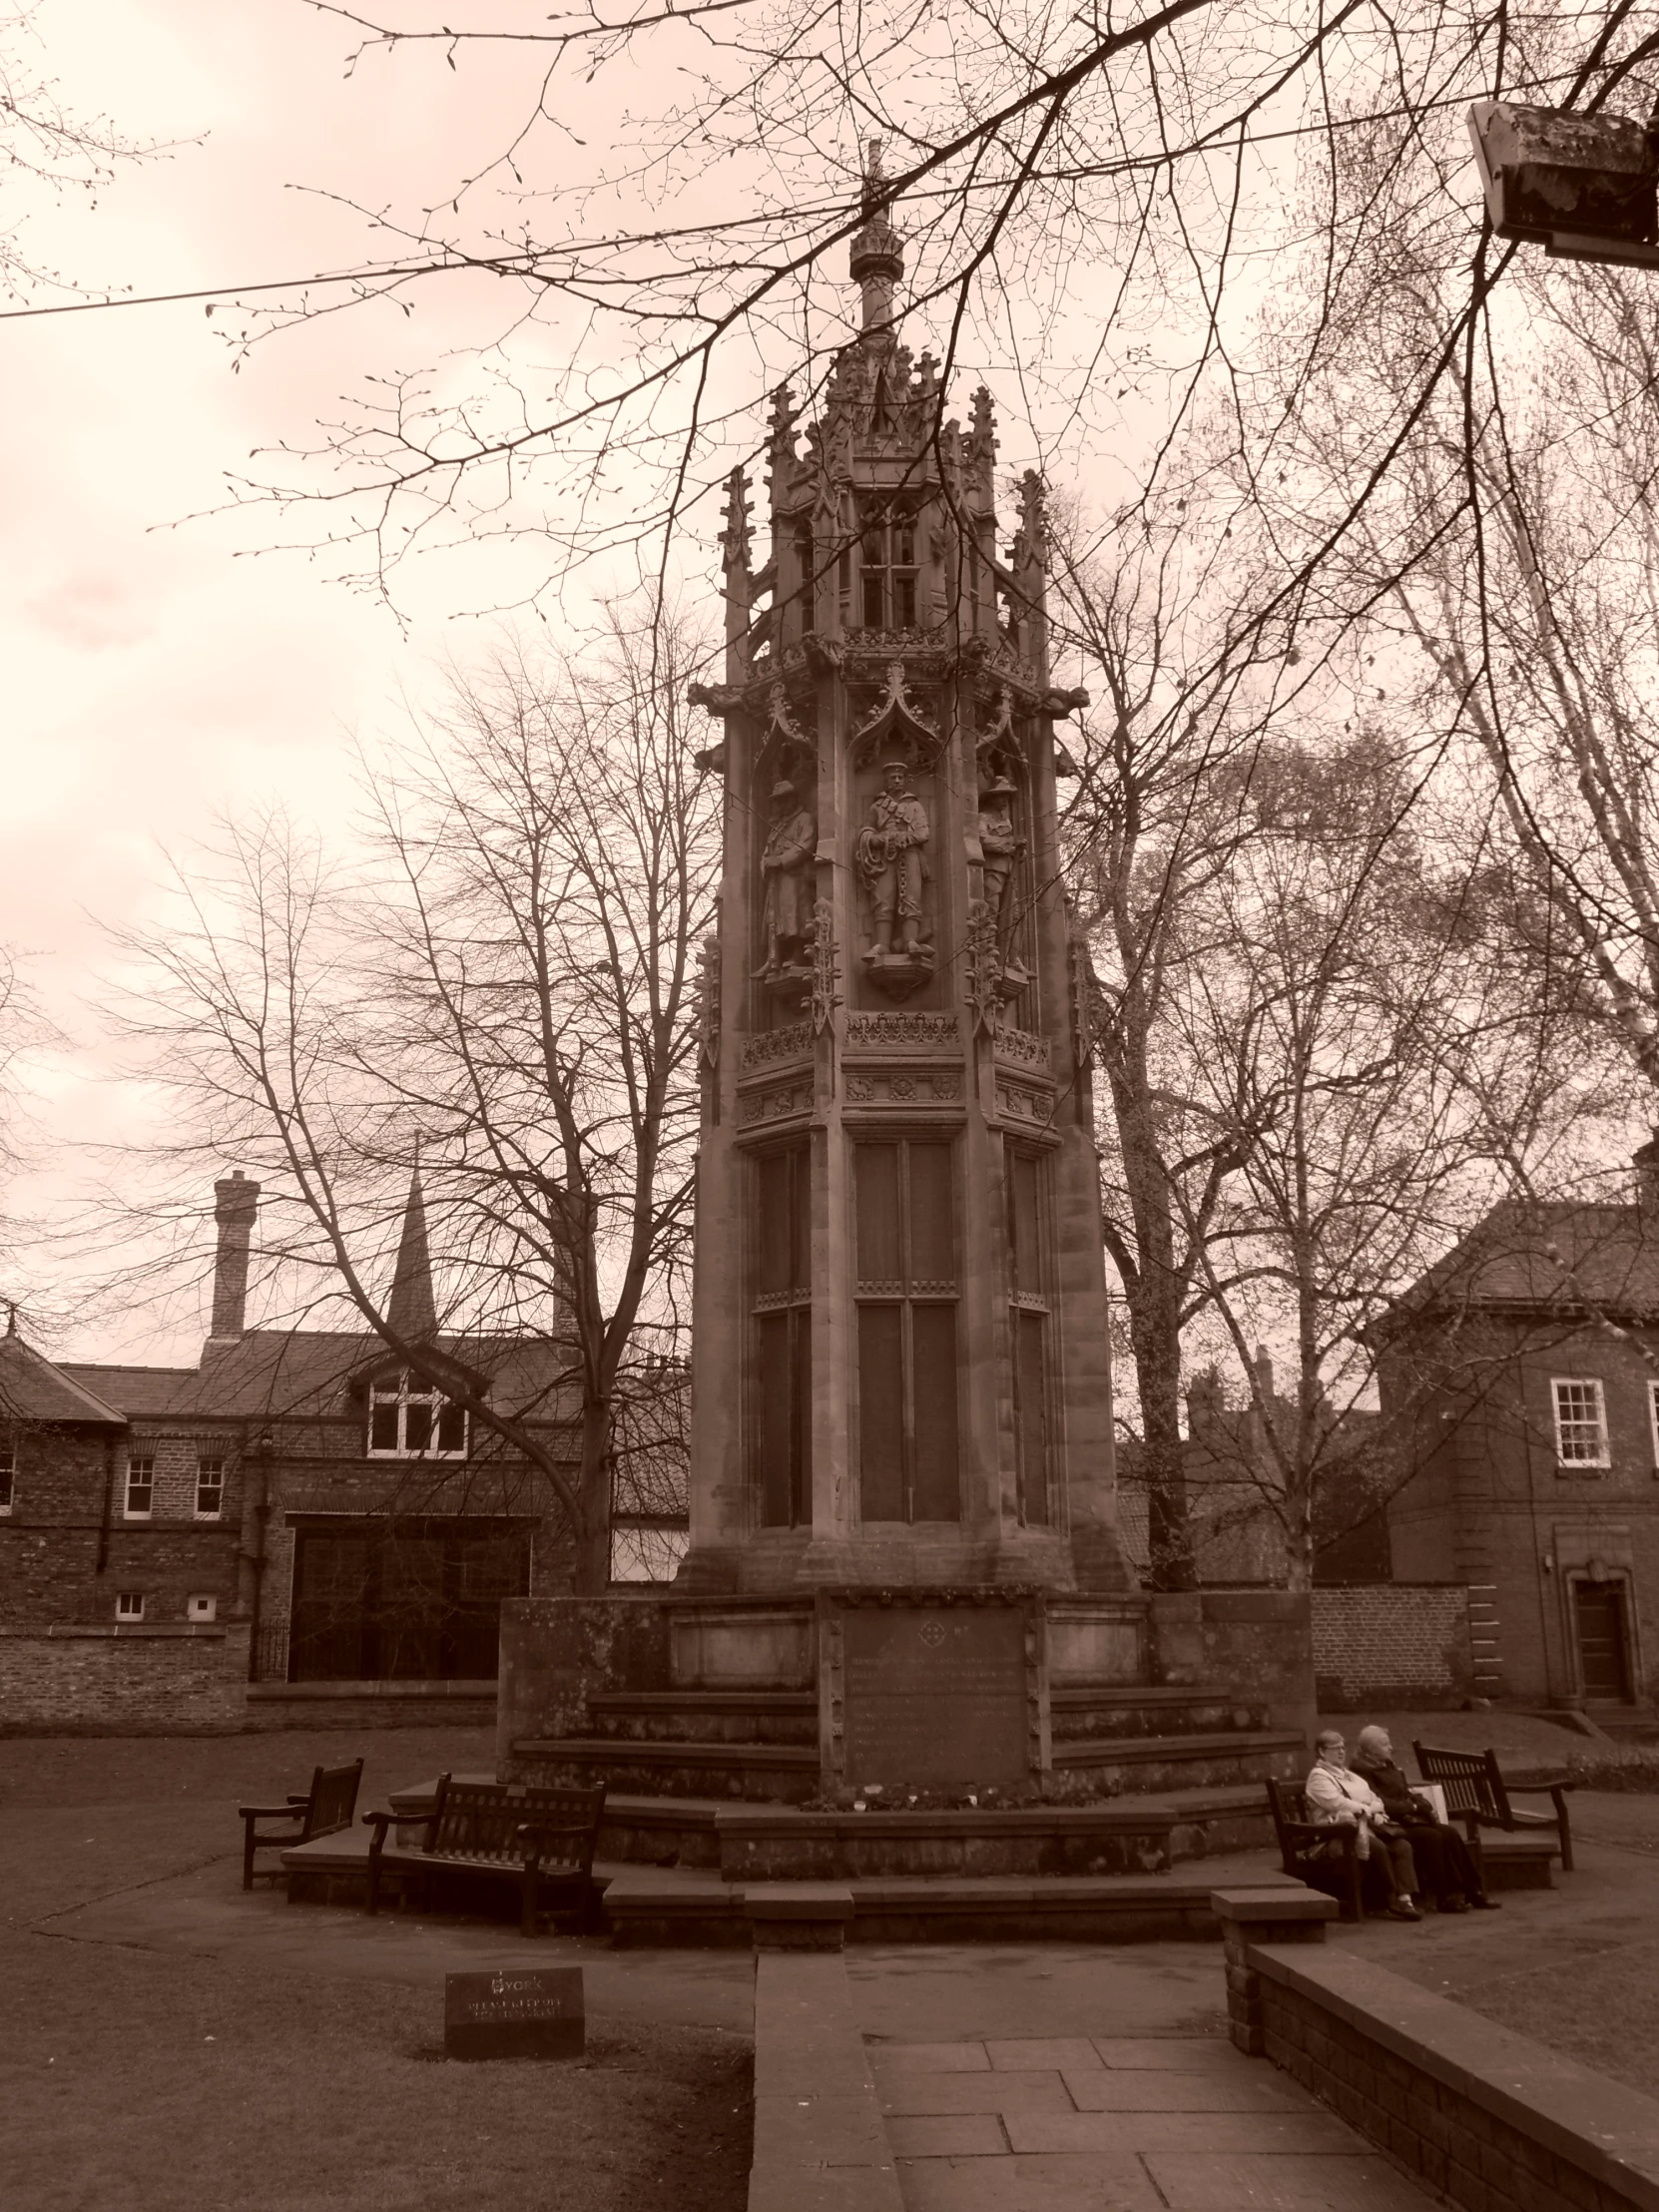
[(936, 1696)]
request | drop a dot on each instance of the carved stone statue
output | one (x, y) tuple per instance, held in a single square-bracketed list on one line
[(891, 861), (1002, 845), (788, 870)]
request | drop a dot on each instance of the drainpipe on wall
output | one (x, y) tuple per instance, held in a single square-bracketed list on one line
[(256, 1510), (103, 1558)]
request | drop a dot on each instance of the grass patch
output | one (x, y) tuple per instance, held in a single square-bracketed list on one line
[(196, 2083)]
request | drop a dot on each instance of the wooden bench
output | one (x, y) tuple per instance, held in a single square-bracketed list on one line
[(541, 1839), (1477, 1795), (326, 1806), (1298, 1838)]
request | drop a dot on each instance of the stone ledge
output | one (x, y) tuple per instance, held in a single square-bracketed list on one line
[(1607, 2132), (305, 1693), (820, 2141), (188, 1632), (1290, 1902)]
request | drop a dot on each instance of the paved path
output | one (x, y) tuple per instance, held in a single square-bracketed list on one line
[(995, 2079), (1136, 2123)]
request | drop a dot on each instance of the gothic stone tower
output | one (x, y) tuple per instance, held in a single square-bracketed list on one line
[(901, 1365)]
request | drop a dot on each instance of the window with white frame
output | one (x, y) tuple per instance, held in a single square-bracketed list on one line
[(210, 1488), (407, 1421), (141, 1487), (128, 1605), (1580, 1422), (8, 1472)]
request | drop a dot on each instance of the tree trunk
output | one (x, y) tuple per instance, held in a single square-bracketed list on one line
[(1153, 1296), (592, 1568)]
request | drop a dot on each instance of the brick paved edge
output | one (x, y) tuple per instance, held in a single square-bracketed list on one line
[(820, 2141), (1488, 2117)]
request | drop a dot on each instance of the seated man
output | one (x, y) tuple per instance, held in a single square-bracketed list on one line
[(1446, 1861), (1338, 1799)]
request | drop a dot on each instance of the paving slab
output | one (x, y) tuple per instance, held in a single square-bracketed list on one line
[(1029, 2184), (1168, 2055), (969, 1992), (948, 2135), (1042, 2050), (929, 2058), (1255, 2091), (976, 2093), (1229, 2133), (1273, 2183)]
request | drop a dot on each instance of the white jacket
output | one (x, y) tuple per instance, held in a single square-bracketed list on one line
[(1336, 1794)]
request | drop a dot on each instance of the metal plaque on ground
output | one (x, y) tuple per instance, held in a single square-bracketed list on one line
[(518, 2013)]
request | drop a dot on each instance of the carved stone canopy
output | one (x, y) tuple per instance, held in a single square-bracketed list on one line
[(897, 724)]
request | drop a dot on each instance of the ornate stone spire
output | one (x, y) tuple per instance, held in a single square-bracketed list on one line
[(878, 256)]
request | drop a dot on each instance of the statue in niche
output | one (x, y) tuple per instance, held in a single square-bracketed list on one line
[(790, 875), (1002, 845), (892, 858)]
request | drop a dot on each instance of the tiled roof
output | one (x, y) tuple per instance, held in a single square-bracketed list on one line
[(281, 1373), (32, 1388), (1558, 1255)]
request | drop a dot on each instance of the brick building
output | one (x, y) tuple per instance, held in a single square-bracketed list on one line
[(1528, 1366), (1237, 1531), (296, 1508)]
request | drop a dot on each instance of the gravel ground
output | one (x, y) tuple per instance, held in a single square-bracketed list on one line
[(147, 2078)]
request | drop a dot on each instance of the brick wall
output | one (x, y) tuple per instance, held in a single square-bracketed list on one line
[(1391, 1645), (1481, 2114), (109, 1681)]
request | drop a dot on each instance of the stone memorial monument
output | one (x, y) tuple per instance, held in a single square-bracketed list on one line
[(903, 1580), (899, 1350)]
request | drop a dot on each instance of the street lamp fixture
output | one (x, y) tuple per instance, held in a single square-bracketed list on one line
[(1584, 186)]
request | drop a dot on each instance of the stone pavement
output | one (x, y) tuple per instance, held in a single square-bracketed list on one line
[(1047, 2080)]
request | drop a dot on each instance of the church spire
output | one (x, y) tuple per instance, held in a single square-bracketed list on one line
[(878, 255), (412, 1311)]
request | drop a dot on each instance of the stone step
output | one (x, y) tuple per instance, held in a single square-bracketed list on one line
[(1112, 1766), (1088, 1710), (1096, 1767), (705, 1716), (694, 1903), (662, 1911), (714, 1834), (762, 1772)]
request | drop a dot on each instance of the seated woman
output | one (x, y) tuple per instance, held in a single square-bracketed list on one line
[(1337, 1798), (1445, 1860)]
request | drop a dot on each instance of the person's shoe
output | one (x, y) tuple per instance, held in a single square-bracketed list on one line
[(1484, 1904), (1401, 1908), (1456, 1903)]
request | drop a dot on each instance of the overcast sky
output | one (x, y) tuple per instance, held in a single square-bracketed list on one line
[(160, 672)]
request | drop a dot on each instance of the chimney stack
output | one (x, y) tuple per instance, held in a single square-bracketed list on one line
[(1646, 1161), (235, 1202)]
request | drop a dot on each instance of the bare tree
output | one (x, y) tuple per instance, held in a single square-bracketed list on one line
[(1354, 953), (511, 978), (45, 152), (1158, 814), (1090, 204)]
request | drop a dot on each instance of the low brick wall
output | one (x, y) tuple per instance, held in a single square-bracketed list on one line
[(1392, 1646), (361, 1705), (1487, 2117), (174, 1681)]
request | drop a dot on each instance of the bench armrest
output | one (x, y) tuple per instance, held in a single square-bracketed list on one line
[(289, 1812), (383, 1818)]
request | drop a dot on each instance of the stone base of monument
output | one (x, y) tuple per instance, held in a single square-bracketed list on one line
[(993, 1759)]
